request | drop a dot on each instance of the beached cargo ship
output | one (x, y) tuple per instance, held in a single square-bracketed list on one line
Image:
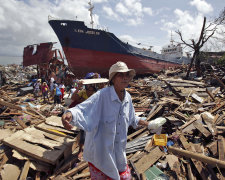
[(94, 50)]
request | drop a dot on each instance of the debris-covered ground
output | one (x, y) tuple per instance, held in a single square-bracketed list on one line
[(34, 144)]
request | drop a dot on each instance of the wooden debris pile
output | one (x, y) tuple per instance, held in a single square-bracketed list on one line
[(195, 113), (40, 148), (16, 114)]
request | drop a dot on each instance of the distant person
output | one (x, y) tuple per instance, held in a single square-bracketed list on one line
[(52, 82), (62, 89), (37, 86), (73, 89), (45, 90), (57, 94), (81, 94)]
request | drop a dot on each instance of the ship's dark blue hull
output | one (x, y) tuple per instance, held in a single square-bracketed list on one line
[(96, 50)]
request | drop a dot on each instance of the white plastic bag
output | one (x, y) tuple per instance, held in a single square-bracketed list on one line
[(155, 124)]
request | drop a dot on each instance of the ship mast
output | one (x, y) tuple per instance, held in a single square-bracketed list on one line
[(91, 10), (171, 40)]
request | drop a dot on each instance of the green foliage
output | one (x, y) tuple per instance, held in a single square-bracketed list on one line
[(221, 61)]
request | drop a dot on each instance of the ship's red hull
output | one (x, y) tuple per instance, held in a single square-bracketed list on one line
[(83, 61)]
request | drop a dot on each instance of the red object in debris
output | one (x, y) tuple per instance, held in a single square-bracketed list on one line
[(38, 54)]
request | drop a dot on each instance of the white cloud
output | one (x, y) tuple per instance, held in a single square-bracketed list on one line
[(134, 22), (161, 10), (202, 6), (99, 1), (110, 13), (134, 6), (122, 9), (24, 23), (134, 10), (190, 25), (148, 11), (183, 17), (142, 42)]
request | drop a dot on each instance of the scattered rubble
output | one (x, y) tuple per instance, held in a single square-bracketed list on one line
[(35, 145)]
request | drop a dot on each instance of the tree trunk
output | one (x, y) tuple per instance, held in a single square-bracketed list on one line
[(190, 66), (197, 65)]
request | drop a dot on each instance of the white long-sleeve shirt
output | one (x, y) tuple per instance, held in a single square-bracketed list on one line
[(106, 120)]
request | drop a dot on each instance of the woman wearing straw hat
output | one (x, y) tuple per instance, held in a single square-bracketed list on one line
[(105, 117)]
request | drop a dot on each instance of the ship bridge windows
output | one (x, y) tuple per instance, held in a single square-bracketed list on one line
[(170, 50), (63, 24)]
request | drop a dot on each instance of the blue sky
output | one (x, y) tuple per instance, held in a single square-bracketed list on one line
[(150, 22)]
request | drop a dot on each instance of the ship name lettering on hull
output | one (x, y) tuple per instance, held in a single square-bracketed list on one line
[(87, 32)]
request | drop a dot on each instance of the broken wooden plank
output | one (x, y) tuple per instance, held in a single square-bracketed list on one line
[(181, 85), (197, 98), (148, 160), (38, 152), (187, 123), (220, 119), (215, 118), (218, 107), (10, 105), (73, 171), (170, 100), (12, 113), (210, 94), (212, 146), (174, 163), (135, 133), (198, 164), (200, 94), (135, 170), (4, 158), (35, 111), (148, 145), (20, 122), (203, 130), (190, 174), (197, 156), (25, 170), (221, 148), (54, 130), (184, 81), (44, 142), (137, 156), (35, 116), (71, 160), (134, 155), (154, 113), (81, 176), (179, 114), (35, 165)]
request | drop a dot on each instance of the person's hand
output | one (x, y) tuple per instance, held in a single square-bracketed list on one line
[(66, 119)]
